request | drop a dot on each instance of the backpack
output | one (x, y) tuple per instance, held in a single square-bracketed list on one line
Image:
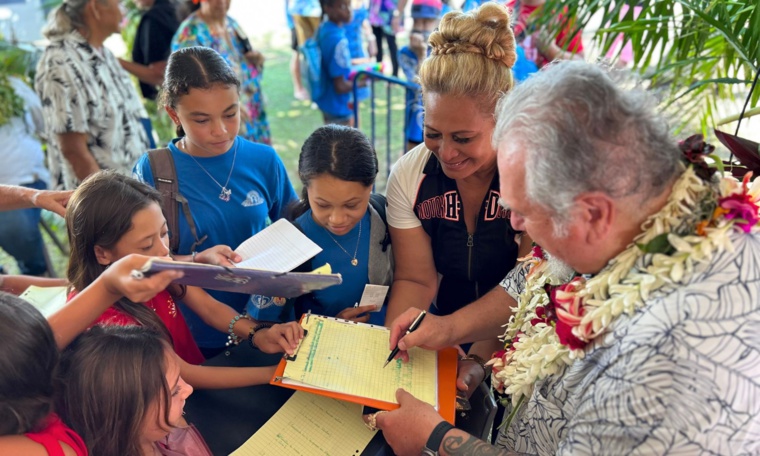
[(311, 69), (165, 181), (379, 203)]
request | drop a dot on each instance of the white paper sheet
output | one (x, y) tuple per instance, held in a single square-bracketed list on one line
[(280, 247)]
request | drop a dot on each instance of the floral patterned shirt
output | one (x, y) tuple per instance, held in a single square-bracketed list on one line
[(194, 32), (681, 375), (84, 90)]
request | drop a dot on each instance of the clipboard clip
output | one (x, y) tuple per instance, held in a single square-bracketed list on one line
[(295, 353)]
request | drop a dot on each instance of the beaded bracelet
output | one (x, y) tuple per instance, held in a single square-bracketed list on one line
[(253, 330), (232, 338)]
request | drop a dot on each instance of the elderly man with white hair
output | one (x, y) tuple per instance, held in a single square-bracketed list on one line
[(650, 344)]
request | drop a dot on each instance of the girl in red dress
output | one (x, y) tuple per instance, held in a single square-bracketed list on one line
[(111, 216)]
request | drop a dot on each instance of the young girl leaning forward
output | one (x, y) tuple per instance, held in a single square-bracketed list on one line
[(138, 408), (111, 216), (337, 167)]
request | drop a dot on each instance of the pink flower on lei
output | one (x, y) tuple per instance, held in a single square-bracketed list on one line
[(741, 207)]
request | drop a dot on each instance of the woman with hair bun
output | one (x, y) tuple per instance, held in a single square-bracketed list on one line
[(453, 243)]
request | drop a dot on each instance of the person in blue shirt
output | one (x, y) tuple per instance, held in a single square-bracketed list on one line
[(336, 63), (234, 187), (337, 167), (425, 16), (361, 51)]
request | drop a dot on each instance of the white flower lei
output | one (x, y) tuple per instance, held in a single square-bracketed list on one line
[(623, 286)]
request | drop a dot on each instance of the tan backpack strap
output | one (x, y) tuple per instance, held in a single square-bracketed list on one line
[(165, 181)]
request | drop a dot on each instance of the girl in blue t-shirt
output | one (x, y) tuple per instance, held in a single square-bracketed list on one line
[(233, 187), (338, 167)]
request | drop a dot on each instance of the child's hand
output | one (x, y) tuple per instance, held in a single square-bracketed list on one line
[(279, 338), (355, 313), (220, 255), (118, 280)]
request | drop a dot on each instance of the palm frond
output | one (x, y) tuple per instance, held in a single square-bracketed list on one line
[(706, 51)]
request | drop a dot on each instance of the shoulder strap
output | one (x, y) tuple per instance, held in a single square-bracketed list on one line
[(165, 181), (379, 204)]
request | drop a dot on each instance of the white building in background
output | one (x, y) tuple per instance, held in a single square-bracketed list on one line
[(21, 20)]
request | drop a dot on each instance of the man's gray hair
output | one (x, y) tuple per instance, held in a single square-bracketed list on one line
[(581, 131)]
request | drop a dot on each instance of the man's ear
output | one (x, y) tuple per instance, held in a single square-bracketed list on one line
[(597, 211), (103, 256)]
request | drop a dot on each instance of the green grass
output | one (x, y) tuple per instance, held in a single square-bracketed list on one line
[(292, 121)]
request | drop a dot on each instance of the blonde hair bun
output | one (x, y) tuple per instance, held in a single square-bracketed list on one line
[(485, 31)]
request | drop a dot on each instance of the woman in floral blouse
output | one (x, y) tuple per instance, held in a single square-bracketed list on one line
[(210, 26)]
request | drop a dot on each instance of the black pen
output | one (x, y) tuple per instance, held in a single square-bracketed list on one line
[(415, 324)]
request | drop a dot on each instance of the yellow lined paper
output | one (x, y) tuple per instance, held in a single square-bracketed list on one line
[(348, 358), (310, 425)]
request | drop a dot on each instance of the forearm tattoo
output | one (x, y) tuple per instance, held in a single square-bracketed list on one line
[(468, 445)]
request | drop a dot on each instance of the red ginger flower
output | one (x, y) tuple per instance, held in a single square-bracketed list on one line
[(569, 309)]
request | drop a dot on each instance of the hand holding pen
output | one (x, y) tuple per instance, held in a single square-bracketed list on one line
[(413, 327), (431, 334)]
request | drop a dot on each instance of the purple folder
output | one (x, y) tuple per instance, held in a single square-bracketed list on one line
[(243, 280)]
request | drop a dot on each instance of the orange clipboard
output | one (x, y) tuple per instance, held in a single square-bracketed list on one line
[(447, 389)]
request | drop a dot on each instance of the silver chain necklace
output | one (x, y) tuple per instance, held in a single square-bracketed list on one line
[(226, 192), (354, 261)]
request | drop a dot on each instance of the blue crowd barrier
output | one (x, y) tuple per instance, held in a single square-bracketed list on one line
[(410, 89)]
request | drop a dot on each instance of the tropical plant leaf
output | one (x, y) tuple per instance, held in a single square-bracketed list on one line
[(702, 51)]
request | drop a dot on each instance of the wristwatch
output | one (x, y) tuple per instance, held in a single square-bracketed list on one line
[(436, 437)]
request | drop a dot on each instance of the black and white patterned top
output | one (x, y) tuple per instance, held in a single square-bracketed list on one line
[(84, 90), (680, 376)]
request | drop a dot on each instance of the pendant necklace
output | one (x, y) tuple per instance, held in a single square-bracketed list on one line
[(226, 192), (354, 261)]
